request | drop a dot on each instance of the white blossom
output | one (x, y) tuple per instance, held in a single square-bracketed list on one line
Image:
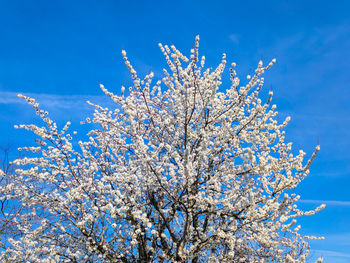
[(183, 170)]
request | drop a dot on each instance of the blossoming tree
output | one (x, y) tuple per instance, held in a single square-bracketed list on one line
[(8, 208), (182, 170)]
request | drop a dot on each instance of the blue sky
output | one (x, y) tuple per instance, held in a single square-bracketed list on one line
[(59, 51)]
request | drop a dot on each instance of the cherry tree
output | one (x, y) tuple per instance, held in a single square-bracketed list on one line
[(9, 209), (183, 169)]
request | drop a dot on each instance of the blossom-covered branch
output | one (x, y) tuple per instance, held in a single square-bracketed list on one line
[(182, 170)]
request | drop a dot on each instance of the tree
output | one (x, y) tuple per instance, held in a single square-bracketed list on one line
[(183, 170), (9, 209)]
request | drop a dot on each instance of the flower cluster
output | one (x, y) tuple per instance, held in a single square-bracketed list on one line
[(183, 170)]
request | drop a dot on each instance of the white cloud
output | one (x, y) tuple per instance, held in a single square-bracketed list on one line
[(327, 202), (330, 253), (234, 38), (54, 101)]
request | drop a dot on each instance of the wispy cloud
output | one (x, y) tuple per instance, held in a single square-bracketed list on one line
[(234, 38), (322, 117), (330, 253), (341, 239), (9, 98), (55, 101), (327, 202)]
